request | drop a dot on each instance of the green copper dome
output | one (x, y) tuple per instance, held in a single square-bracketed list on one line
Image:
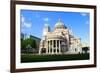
[(60, 25)]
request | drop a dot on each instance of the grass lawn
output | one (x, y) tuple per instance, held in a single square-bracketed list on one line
[(45, 58)]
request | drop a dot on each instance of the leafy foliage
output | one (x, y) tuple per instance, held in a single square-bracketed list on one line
[(28, 41), (85, 49)]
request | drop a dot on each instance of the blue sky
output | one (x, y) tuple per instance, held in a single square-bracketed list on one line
[(32, 22)]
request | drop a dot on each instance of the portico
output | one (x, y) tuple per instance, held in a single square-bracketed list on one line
[(54, 47)]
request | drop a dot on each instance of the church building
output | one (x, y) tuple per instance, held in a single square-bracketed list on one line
[(60, 40)]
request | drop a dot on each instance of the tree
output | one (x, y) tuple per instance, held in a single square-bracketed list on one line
[(23, 45), (31, 42), (85, 49), (28, 41)]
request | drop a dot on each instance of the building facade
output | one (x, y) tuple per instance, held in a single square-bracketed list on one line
[(59, 41)]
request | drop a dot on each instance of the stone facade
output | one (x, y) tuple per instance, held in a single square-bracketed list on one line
[(59, 41)]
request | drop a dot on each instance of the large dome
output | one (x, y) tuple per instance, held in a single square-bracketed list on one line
[(60, 25)]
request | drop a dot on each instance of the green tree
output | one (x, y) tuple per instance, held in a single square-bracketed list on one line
[(31, 42), (27, 44), (28, 41), (23, 46), (85, 49)]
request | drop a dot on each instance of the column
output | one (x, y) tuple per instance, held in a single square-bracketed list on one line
[(47, 47), (59, 47), (39, 50)]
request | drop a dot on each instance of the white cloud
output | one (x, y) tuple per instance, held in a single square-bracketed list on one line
[(27, 25), (46, 19), (83, 14), (24, 23)]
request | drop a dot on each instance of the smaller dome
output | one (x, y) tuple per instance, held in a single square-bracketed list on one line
[(47, 27), (60, 25)]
